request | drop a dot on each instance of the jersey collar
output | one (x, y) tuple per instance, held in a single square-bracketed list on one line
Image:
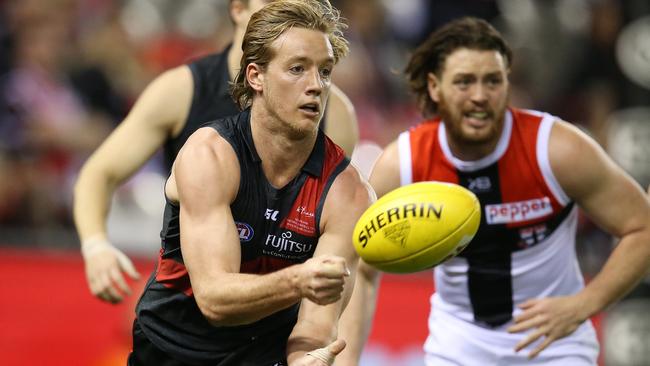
[(493, 157), (314, 164)]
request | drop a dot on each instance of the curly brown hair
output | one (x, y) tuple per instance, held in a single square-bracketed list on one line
[(266, 25), (430, 56)]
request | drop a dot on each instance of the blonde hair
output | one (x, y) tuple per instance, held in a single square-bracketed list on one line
[(266, 25)]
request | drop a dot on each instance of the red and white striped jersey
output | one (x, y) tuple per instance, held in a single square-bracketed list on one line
[(525, 245)]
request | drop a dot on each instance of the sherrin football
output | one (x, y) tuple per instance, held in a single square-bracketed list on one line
[(417, 226)]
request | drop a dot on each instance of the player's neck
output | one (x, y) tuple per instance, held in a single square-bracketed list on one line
[(282, 155), (471, 151)]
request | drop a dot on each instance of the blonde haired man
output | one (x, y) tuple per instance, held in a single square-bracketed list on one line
[(256, 259)]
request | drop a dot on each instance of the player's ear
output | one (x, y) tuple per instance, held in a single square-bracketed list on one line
[(255, 76), (433, 86)]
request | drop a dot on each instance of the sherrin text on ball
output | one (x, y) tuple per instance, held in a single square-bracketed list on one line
[(417, 226)]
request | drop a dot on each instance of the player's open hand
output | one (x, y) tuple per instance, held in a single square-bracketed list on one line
[(322, 279), (322, 356), (104, 266), (552, 318)]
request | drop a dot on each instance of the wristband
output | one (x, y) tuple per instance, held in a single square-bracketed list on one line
[(322, 354), (94, 244)]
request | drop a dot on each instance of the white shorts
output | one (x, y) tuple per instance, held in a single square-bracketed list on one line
[(453, 341)]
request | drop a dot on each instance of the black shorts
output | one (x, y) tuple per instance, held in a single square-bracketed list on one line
[(269, 351)]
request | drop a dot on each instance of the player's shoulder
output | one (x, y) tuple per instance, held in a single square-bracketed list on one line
[(425, 126), (351, 189), (567, 139), (176, 77), (205, 143), (576, 160), (205, 159), (169, 90)]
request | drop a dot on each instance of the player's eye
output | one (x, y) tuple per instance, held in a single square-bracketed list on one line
[(297, 69), (326, 73)]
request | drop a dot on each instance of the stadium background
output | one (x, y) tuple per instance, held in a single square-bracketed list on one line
[(70, 70)]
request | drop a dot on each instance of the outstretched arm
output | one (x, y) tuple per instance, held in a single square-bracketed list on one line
[(357, 319), (159, 113), (341, 121), (617, 204), (317, 325)]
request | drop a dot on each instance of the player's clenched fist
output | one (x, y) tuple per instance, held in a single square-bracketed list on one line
[(321, 279)]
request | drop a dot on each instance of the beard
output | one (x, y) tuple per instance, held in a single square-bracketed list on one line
[(297, 133), (453, 119)]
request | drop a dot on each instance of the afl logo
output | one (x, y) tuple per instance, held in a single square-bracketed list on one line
[(245, 231)]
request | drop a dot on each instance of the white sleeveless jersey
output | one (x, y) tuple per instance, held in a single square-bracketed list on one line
[(524, 248)]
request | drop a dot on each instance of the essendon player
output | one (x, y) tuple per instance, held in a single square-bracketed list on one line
[(517, 286), (256, 243)]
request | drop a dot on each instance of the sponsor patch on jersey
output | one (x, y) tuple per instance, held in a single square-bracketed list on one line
[(287, 247), (480, 184), (511, 212), (532, 235), (245, 231)]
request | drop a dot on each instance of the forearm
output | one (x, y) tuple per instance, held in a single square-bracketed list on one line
[(308, 336), (239, 298), (356, 321), (318, 325), (91, 204), (626, 266)]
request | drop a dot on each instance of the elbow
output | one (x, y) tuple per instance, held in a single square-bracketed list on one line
[(218, 315), (93, 176), (216, 319), (213, 313)]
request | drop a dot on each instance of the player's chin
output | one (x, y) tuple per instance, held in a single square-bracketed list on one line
[(303, 128), (479, 135), (307, 120)]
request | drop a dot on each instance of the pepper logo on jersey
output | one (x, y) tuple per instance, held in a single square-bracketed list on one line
[(245, 231), (520, 211)]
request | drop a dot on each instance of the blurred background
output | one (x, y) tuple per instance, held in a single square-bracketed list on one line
[(71, 69)]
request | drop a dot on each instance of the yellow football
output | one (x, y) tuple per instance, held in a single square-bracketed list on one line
[(417, 226)]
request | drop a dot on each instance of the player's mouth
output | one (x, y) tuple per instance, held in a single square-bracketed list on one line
[(477, 119), (310, 109)]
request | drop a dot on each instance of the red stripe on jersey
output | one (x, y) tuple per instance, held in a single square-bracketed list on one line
[(173, 274), (428, 162), (302, 216), (520, 176)]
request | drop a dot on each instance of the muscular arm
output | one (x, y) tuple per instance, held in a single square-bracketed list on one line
[(206, 179), (317, 325), (341, 125), (617, 204), (357, 318), (613, 201), (159, 112)]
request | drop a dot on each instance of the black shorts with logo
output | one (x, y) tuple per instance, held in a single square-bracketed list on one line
[(263, 351)]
